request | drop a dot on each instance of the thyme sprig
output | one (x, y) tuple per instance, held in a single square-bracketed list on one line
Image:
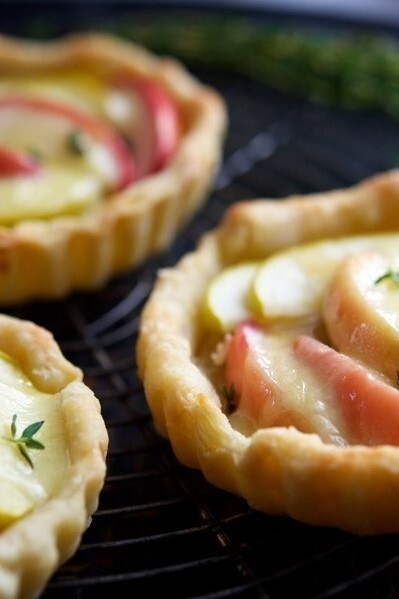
[(344, 70), (340, 70), (393, 275), (75, 143), (26, 440)]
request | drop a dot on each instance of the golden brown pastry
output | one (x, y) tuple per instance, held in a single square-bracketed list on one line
[(105, 152), (269, 356), (52, 444)]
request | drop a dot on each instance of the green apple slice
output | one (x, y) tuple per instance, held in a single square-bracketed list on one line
[(291, 283), (55, 191), (226, 298)]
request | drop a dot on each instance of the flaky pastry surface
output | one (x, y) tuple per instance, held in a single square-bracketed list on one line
[(277, 470), (34, 546), (50, 258)]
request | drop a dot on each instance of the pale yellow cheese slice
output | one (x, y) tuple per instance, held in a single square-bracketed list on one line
[(21, 486)]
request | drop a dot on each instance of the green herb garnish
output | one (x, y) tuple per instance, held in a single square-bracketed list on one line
[(35, 153), (390, 274), (230, 397), (75, 143), (26, 440)]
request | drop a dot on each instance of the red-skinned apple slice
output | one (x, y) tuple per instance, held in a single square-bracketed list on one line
[(269, 386), (361, 315), (13, 163), (155, 125), (118, 151), (369, 406)]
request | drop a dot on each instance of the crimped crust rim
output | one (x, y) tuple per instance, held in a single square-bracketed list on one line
[(278, 470), (149, 213), (34, 546)]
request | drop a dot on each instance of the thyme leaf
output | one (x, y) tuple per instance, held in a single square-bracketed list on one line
[(75, 143), (35, 153), (26, 440), (390, 274)]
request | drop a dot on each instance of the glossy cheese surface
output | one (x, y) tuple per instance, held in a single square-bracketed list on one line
[(320, 348), (25, 486), (73, 140)]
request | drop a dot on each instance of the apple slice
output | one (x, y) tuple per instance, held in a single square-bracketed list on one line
[(290, 284), (225, 303), (14, 163), (362, 314), (369, 406), (251, 380), (109, 154), (152, 122), (266, 385), (59, 190)]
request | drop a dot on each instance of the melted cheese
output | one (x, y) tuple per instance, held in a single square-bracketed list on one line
[(82, 89), (58, 190), (68, 182), (283, 381), (21, 487)]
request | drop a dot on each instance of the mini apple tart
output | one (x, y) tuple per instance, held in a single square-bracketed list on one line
[(105, 152), (270, 356), (53, 443)]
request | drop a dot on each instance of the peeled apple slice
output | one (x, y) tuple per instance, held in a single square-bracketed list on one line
[(291, 284), (226, 299)]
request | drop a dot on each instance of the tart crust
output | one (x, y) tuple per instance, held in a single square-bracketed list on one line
[(277, 470), (34, 546), (50, 258)]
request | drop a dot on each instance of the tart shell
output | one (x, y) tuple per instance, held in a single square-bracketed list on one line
[(33, 547), (277, 470), (50, 258)]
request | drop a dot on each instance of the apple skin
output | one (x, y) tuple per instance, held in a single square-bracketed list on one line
[(14, 164), (347, 404), (355, 325), (96, 128), (156, 133), (369, 407), (259, 395)]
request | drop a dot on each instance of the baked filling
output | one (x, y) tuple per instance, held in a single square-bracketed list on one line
[(312, 340), (269, 356), (31, 472), (106, 151), (70, 139), (53, 444)]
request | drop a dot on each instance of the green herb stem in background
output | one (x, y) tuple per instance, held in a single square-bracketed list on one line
[(346, 70)]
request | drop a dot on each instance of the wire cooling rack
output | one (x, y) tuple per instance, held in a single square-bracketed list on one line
[(160, 525)]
